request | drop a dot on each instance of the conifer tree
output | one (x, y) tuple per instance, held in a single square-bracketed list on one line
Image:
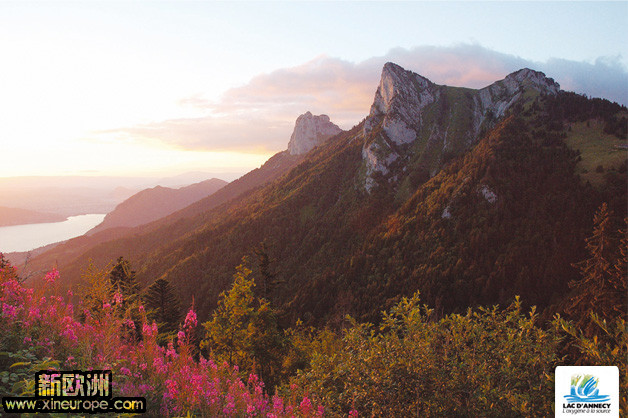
[(602, 288), (162, 306), (124, 282), (125, 292), (268, 281), (7, 271)]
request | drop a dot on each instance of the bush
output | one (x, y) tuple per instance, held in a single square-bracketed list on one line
[(486, 363)]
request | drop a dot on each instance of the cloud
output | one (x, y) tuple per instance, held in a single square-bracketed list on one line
[(606, 77), (259, 116), (240, 133), (323, 85)]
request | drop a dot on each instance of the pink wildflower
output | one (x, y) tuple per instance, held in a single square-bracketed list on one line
[(158, 363), (306, 405), (117, 298), (277, 404), (144, 388), (172, 387), (353, 413), (9, 311), (190, 320), (69, 334), (149, 330), (52, 276), (170, 352), (229, 409), (33, 313)]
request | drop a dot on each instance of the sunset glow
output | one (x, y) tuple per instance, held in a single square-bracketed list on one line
[(116, 88)]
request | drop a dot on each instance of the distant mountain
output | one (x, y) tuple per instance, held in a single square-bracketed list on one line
[(15, 216), (106, 245), (469, 196), (185, 179), (152, 204)]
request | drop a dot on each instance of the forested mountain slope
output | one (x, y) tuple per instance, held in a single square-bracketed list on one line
[(470, 196), (151, 204)]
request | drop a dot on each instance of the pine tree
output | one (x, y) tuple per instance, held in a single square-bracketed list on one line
[(162, 306), (602, 288), (124, 282), (7, 271), (125, 296), (267, 281), (619, 275)]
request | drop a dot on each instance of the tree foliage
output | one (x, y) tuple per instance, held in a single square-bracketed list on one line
[(488, 362), (162, 306), (124, 282), (601, 288), (243, 329)]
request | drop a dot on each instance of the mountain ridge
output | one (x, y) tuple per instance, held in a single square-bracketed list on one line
[(406, 119), (154, 203), (19, 216), (319, 220)]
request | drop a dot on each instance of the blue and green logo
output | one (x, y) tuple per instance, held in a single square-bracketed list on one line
[(584, 389)]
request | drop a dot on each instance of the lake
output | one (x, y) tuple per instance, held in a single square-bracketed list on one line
[(28, 237)]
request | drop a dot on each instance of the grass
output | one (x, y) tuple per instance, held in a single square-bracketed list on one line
[(596, 148)]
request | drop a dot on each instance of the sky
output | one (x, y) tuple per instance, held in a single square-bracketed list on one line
[(162, 88)]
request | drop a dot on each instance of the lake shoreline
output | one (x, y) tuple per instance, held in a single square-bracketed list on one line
[(29, 237)]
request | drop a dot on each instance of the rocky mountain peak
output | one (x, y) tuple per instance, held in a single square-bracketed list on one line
[(444, 121), (399, 89), (501, 95), (310, 131), (534, 79)]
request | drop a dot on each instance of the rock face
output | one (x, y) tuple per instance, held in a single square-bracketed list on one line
[(413, 120), (309, 132)]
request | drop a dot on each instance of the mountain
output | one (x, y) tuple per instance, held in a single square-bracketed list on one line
[(155, 203), (15, 216), (310, 131), (107, 244), (469, 196), (414, 122)]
